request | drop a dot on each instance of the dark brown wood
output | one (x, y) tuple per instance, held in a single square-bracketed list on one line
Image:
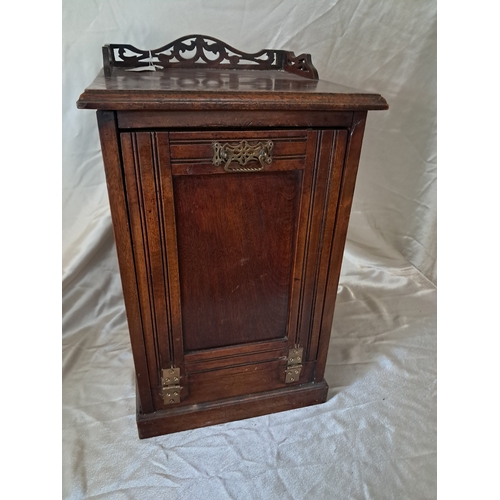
[(201, 51), (148, 228), (331, 152), (321, 296), (230, 192), (341, 223), (280, 352), (235, 256), (229, 352), (184, 417), (229, 249), (119, 214), (172, 265), (222, 90), (244, 119)]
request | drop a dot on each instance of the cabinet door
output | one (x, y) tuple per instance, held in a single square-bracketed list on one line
[(230, 255)]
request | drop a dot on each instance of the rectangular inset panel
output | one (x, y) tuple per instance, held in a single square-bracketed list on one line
[(236, 236), (236, 381)]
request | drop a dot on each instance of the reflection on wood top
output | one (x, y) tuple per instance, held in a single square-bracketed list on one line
[(199, 88)]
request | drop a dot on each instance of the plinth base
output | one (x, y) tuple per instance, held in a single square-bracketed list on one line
[(255, 405)]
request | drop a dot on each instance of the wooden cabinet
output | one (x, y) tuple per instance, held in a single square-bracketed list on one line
[(230, 179)]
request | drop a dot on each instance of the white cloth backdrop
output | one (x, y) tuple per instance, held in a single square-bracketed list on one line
[(376, 435)]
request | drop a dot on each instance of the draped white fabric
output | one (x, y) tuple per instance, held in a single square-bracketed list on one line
[(376, 435)]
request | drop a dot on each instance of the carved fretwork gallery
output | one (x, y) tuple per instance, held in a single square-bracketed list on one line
[(198, 51)]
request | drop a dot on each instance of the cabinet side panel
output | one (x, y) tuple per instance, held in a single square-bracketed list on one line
[(349, 173), (236, 245), (121, 228)]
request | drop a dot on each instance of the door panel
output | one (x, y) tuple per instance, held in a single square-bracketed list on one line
[(235, 252), (223, 258)]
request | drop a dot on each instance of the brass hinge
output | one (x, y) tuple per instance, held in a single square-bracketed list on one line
[(294, 365), (171, 388)]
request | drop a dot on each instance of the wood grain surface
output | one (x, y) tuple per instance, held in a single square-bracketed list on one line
[(225, 272), (207, 89), (235, 255)]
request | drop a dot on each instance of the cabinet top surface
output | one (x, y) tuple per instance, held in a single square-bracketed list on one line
[(280, 79), (225, 89)]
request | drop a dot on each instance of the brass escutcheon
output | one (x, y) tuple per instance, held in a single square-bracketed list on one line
[(243, 152)]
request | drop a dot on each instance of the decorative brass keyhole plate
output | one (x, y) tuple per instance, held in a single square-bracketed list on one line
[(243, 152)]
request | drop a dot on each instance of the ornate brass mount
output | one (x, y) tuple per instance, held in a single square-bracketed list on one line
[(242, 153)]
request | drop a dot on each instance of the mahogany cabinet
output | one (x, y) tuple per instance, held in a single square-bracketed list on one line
[(230, 179)]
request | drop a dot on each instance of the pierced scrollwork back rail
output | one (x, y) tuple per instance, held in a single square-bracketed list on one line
[(199, 51)]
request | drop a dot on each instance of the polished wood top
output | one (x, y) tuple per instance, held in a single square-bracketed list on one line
[(200, 88)]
